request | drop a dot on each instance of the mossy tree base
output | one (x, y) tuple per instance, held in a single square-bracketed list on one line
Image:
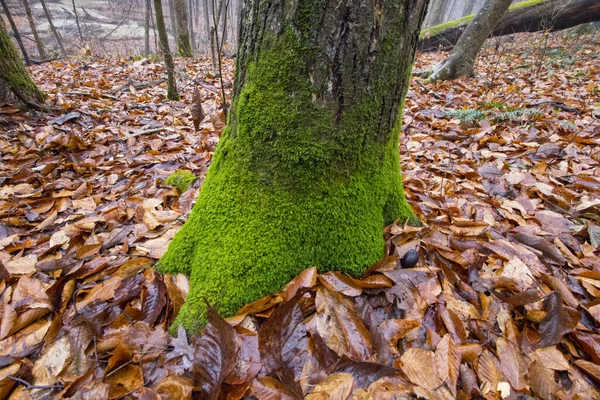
[(307, 172), (16, 86)]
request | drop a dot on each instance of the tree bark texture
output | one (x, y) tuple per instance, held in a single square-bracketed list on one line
[(191, 19), (172, 18), (172, 93), (462, 59), (36, 37), (529, 16), (77, 21), (16, 32), (16, 86), (53, 29), (147, 27), (307, 171), (184, 46)]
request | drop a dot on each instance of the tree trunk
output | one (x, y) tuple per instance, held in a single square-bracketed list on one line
[(308, 170), (147, 27), (16, 32), (191, 24), (183, 35), (207, 25), (53, 29), (38, 41), (77, 22), (462, 59), (16, 86), (172, 18), (172, 93), (528, 16)]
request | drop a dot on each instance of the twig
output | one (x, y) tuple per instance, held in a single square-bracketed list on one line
[(429, 91), (29, 386), (142, 133), (108, 96)]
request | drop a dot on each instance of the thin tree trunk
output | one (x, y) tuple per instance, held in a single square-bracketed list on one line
[(184, 47), (147, 27), (77, 22), (16, 32), (191, 24), (462, 59), (16, 86), (172, 18), (307, 171), (172, 93), (53, 29), (38, 41), (207, 26)]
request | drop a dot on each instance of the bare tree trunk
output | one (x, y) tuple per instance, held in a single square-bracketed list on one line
[(77, 22), (147, 28), (183, 35), (38, 41), (190, 4), (53, 29), (207, 25), (172, 93), (172, 18), (462, 59), (16, 32), (16, 86)]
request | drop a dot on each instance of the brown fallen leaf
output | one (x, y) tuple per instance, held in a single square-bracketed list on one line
[(558, 321), (196, 109)]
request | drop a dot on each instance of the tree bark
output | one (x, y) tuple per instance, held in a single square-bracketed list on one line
[(462, 59), (77, 22), (38, 41), (172, 18), (172, 93), (529, 16), (190, 8), (147, 27), (16, 32), (16, 86), (207, 25), (184, 46), (307, 171), (53, 29)]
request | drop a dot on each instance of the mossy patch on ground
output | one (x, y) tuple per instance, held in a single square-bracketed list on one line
[(181, 180)]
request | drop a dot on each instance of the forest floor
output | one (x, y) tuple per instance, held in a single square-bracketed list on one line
[(504, 171)]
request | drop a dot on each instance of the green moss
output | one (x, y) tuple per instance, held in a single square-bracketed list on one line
[(13, 71), (288, 187), (181, 180), (437, 29), (184, 46)]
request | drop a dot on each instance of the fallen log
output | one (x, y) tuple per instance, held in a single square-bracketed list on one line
[(527, 16)]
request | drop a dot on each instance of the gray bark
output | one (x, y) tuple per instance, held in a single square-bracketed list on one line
[(172, 93), (53, 29), (191, 20), (38, 41), (172, 18), (77, 22), (183, 35), (16, 33), (462, 59), (147, 27)]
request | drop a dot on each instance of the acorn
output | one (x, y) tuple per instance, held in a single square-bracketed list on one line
[(410, 259)]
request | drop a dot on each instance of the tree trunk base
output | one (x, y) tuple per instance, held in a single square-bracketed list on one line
[(452, 68)]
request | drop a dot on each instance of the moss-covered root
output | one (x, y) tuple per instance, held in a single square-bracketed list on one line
[(181, 180)]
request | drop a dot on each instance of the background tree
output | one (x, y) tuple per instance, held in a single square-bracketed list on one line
[(147, 27), (172, 93), (308, 171), (527, 16), (53, 28), (16, 32), (77, 21), (38, 42), (16, 86), (184, 46), (461, 60)]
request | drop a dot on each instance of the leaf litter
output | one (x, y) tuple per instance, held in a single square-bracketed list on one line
[(504, 299)]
